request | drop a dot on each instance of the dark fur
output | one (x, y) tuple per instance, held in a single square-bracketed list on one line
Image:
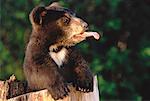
[(40, 69)]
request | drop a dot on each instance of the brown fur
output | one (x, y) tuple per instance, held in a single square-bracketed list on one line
[(50, 32)]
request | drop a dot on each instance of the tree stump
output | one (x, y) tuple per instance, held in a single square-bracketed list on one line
[(11, 88)]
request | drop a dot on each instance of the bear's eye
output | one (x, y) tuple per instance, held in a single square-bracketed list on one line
[(66, 20)]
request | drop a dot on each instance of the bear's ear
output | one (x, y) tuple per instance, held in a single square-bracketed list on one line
[(37, 14), (54, 6)]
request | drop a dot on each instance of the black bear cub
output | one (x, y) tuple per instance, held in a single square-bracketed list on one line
[(51, 60)]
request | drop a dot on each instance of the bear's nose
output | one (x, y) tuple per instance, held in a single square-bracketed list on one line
[(85, 25)]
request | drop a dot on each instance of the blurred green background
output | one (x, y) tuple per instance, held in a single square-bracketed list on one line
[(121, 58)]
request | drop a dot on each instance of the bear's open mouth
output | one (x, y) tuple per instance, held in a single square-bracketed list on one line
[(73, 40)]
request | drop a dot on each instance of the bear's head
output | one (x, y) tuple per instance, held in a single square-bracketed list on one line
[(56, 23)]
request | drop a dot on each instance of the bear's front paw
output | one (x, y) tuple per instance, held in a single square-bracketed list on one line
[(84, 85), (59, 91)]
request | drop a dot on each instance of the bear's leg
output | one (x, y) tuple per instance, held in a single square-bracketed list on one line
[(58, 89), (83, 79), (57, 86), (82, 75)]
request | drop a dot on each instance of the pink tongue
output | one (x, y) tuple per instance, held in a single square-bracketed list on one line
[(94, 34)]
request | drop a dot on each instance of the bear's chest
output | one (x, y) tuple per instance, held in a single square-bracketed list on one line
[(59, 57)]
